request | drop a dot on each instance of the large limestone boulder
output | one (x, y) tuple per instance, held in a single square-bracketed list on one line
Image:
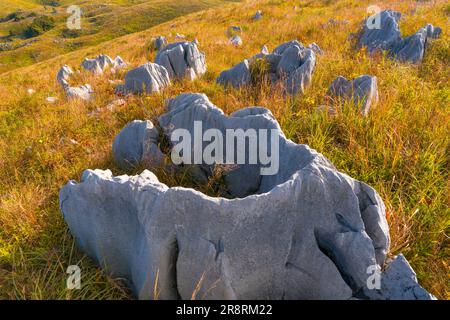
[(290, 63), (182, 60), (363, 91), (381, 32), (307, 231), (147, 78)]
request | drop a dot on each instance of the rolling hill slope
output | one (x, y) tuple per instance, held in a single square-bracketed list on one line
[(401, 148), (101, 21)]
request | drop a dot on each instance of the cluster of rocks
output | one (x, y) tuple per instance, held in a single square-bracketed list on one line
[(178, 60), (83, 92), (310, 231), (101, 62), (182, 60), (381, 32), (291, 63)]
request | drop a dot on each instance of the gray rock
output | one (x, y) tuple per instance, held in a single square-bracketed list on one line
[(237, 76), (363, 90), (433, 32), (160, 42), (258, 15), (137, 144), (182, 59), (399, 282), (290, 62), (119, 63), (148, 78), (236, 41), (83, 92), (314, 47), (63, 75), (306, 232), (387, 37), (101, 62)]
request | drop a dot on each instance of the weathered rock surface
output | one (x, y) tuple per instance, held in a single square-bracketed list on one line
[(236, 41), (237, 76), (63, 75), (387, 37), (160, 42), (363, 90), (101, 62), (290, 62), (83, 92), (137, 144), (258, 15), (306, 232), (147, 78), (182, 60)]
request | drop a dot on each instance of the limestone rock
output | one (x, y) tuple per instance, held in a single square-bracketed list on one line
[(363, 90), (237, 76), (147, 78), (290, 63), (137, 144), (309, 231), (101, 62), (386, 36), (331, 227), (63, 75), (83, 92), (160, 42), (182, 60), (236, 41), (258, 15)]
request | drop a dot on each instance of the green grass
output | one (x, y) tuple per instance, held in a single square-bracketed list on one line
[(101, 21), (402, 148)]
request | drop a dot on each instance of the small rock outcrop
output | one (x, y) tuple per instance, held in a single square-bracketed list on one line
[(160, 42), (236, 41), (83, 92), (101, 62), (363, 91), (137, 144), (310, 231), (182, 60), (258, 15), (382, 32), (291, 63), (147, 78)]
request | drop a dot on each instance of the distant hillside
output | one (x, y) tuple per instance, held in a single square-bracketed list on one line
[(23, 41)]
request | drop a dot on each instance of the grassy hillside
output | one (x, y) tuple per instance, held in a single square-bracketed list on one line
[(401, 148), (101, 21)]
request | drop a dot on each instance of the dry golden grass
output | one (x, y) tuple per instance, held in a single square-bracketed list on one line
[(401, 148)]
